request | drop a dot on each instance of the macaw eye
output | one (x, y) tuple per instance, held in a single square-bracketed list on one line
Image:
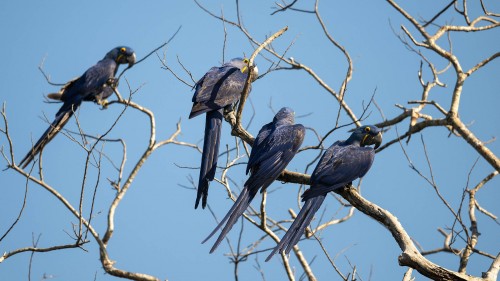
[(367, 129), (123, 49)]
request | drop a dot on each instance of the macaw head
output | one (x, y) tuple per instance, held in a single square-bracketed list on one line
[(122, 55), (242, 64), (286, 113), (366, 135)]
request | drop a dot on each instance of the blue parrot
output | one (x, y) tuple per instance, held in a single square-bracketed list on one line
[(219, 89), (342, 163), (274, 147), (91, 86)]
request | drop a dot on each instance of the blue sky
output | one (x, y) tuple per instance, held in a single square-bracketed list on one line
[(158, 231)]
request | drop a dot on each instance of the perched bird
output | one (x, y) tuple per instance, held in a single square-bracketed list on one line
[(274, 147), (220, 88), (91, 86), (342, 163)]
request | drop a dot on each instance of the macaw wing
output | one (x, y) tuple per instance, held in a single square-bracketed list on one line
[(325, 161), (258, 143), (220, 86), (339, 166), (282, 139), (275, 154), (93, 82), (208, 81), (61, 94)]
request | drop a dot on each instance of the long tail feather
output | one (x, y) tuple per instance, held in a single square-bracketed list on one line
[(232, 216), (61, 119), (298, 226), (229, 213), (209, 156)]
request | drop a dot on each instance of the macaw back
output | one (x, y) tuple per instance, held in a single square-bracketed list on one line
[(218, 88), (341, 164), (92, 85)]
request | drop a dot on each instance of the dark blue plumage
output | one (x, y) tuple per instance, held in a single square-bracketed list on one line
[(219, 88), (341, 164), (274, 147), (91, 86)]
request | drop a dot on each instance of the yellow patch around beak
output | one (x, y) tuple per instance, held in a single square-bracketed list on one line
[(364, 139)]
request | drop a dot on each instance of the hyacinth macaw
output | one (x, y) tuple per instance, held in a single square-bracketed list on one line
[(218, 89), (93, 85), (274, 147), (342, 163)]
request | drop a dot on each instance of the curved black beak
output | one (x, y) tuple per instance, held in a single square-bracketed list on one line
[(369, 140), (377, 140), (255, 73), (131, 60)]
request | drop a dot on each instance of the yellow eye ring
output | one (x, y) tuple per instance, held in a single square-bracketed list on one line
[(367, 129), (245, 60), (123, 49)]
